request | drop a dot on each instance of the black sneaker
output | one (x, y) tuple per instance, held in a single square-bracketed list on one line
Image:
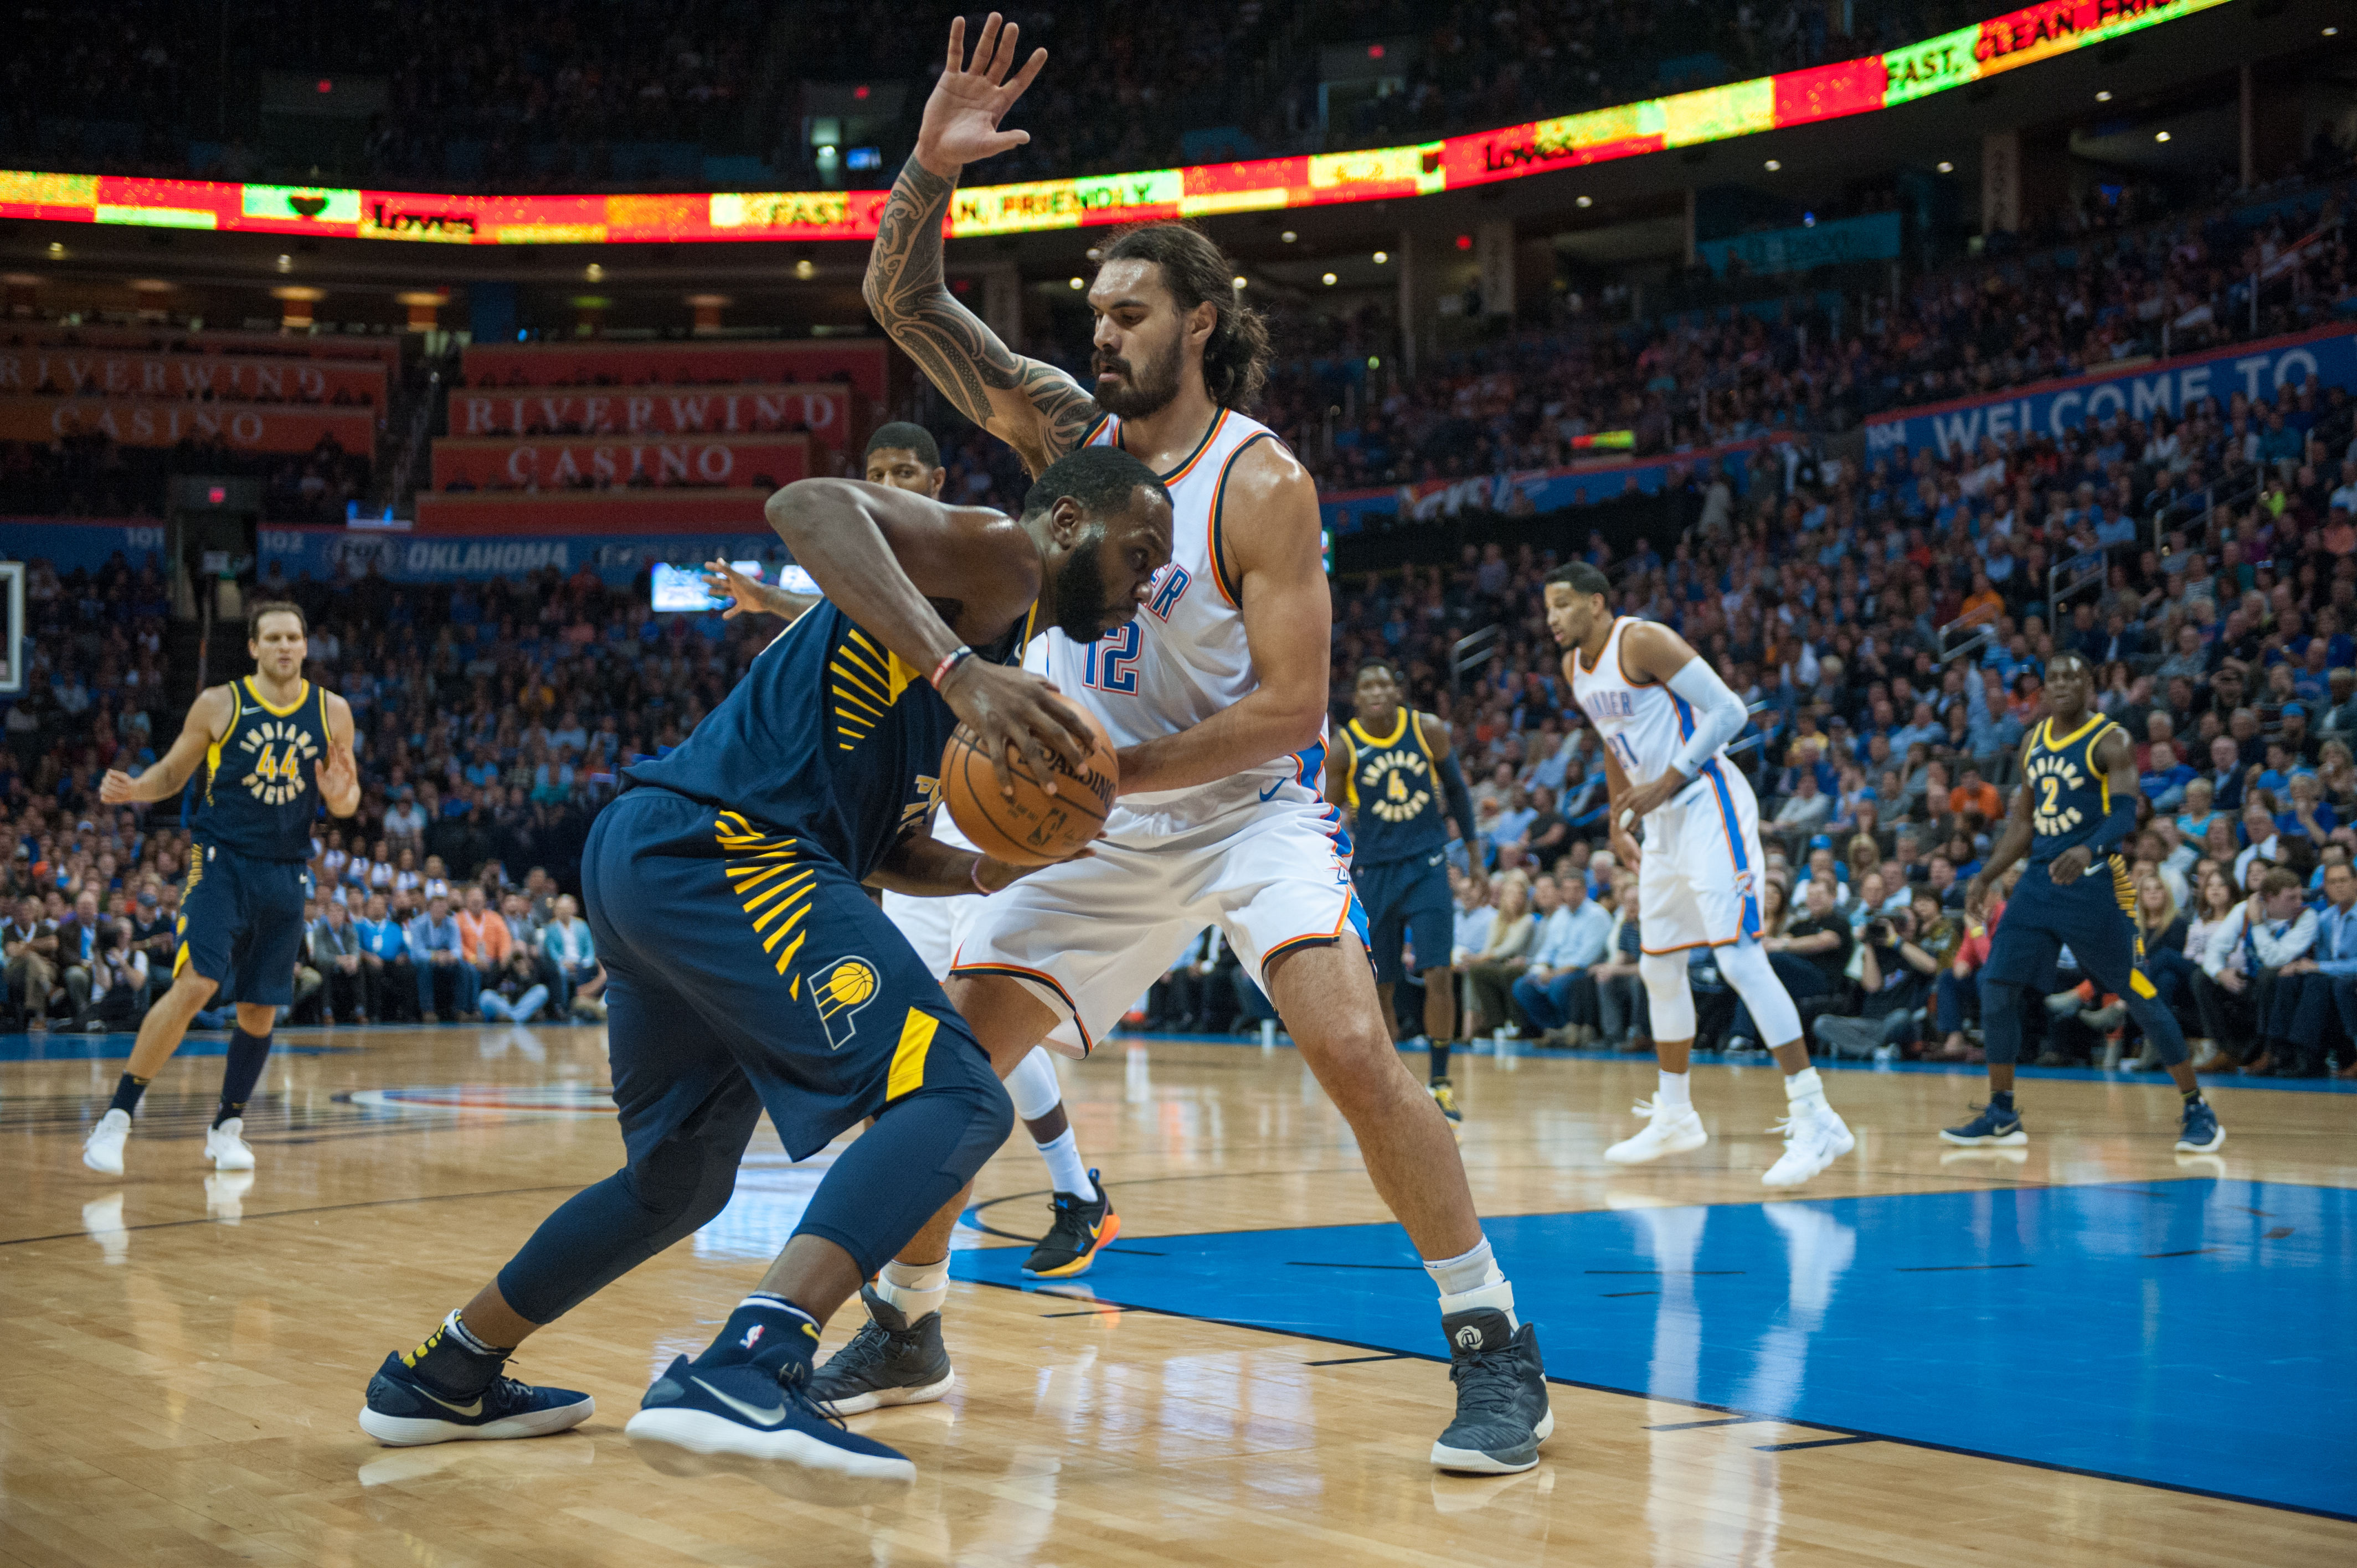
[(889, 1362), (1502, 1400), (1082, 1230), (403, 1410)]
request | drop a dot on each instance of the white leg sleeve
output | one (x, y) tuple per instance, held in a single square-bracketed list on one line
[(1664, 975), (1032, 1085), (1746, 969)]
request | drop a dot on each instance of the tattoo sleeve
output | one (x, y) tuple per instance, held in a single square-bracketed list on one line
[(957, 352)]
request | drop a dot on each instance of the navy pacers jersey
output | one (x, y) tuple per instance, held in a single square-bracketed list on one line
[(2069, 798), (262, 777), (829, 737), (1394, 788)]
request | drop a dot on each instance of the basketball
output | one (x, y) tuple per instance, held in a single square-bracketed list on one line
[(1035, 827)]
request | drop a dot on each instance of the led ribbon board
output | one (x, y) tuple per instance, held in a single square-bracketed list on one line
[(1688, 119)]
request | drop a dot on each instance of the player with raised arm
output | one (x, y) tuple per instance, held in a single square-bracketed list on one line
[(750, 973), (274, 748), (2075, 806), (1216, 699), (1394, 776), (1665, 718)]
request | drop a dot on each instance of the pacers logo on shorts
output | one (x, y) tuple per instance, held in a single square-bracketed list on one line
[(839, 994)]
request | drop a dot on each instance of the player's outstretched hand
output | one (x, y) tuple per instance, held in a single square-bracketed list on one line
[(723, 581), (1017, 715), (114, 789), (961, 122)]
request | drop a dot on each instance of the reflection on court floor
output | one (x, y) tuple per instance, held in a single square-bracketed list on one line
[(2181, 1333)]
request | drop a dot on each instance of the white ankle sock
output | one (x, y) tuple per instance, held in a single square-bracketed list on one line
[(1675, 1091), (1066, 1169), (1804, 1085), (914, 1289)]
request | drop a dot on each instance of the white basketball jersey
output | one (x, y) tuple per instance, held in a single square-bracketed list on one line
[(1644, 723), (1184, 658)]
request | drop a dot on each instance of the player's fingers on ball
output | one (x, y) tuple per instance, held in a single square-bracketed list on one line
[(1043, 759)]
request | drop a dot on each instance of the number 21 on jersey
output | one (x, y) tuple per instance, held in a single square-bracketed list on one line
[(1111, 662)]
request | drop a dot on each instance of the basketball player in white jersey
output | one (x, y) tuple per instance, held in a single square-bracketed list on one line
[(906, 457), (1665, 718), (1216, 697)]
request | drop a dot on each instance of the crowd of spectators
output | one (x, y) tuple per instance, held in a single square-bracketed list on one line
[(91, 474), (2176, 287)]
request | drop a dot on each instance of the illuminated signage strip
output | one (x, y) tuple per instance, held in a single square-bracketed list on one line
[(1629, 130)]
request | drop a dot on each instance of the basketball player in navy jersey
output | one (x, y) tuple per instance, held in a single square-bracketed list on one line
[(2075, 806), (274, 747), (751, 972), (1392, 770)]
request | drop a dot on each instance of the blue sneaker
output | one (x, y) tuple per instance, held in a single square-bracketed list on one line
[(2202, 1132), (1992, 1129), (403, 1412), (746, 1421)]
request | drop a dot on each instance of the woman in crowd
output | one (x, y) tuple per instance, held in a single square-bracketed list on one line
[(1490, 971), (2165, 930)]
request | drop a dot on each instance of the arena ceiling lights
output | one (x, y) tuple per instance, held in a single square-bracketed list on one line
[(1629, 130)]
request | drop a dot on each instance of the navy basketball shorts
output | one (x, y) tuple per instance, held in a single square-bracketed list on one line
[(1407, 898), (240, 924), (2089, 915), (748, 971)]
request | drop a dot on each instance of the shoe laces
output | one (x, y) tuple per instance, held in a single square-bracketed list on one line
[(1487, 1381), (793, 1381), (1645, 1108)]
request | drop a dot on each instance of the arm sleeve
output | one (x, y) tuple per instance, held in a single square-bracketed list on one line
[(1718, 713), (1461, 799)]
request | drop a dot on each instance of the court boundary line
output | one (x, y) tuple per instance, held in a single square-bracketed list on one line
[(85, 1233)]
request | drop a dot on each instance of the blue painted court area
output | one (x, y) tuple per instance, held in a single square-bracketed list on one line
[(2188, 1334), (57, 1046)]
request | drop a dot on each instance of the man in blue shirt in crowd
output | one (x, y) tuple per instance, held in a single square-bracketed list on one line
[(1569, 943), (385, 969), (433, 948)]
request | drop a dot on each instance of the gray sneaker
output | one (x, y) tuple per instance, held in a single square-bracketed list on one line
[(1502, 1400), (889, 1361)]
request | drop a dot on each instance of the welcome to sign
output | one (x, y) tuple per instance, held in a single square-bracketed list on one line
[(2165, 386)]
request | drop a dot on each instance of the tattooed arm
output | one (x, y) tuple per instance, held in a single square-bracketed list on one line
[(1033, 407)]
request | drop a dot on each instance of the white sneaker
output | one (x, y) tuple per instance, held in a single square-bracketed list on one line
[(103, 1150), (226, 1149), (1813, 1138), (1669, 1129)]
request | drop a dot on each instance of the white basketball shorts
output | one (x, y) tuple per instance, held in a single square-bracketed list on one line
[(1699, 885), (932, 925), (1088, 937)]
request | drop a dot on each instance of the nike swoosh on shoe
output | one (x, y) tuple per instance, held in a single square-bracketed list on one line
[(773, 1417), (473, 1408)]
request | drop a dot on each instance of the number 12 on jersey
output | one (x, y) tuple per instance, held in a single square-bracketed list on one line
[(1112, 662)]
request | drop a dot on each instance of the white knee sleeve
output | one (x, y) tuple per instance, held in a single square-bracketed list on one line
[(1746, 969), (1664, 974), (1032, 1085)]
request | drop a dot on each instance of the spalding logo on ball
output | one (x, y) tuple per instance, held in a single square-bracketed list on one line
[(1033, 828)]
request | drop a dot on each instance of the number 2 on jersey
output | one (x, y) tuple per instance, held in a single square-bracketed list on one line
[(1112, 662)]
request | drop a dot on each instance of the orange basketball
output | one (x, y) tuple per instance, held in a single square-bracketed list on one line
[(1035, 827)]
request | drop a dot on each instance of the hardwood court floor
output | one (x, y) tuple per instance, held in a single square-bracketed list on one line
[(189, 1356)]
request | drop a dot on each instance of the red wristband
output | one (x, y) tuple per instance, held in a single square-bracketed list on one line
[(950, 661)]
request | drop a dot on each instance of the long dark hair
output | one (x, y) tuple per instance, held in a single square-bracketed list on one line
[(1194, 269)]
